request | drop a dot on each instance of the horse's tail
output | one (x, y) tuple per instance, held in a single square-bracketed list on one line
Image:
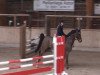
[(40, 42)]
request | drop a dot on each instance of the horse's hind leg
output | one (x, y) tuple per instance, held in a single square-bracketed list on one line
[(38, 60), (40, 54)]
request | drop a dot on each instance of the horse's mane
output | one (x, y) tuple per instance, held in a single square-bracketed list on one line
[(40, 42), (72, 32)]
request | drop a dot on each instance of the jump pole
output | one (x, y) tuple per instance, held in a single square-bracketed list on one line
[(59, 47)]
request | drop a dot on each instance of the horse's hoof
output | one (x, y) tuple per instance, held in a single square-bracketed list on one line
[(35, 51), (67, 67), (36, 66)]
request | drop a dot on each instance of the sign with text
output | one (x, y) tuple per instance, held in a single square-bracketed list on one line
[(53, 5), (96, 8)]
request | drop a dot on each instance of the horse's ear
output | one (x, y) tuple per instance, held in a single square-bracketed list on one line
[(78, 29)]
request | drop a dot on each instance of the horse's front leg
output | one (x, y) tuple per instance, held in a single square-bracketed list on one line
[(66, 60)]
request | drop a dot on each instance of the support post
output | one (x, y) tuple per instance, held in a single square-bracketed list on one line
[(47, 26), (89, 12), (23, 41), (15, 21)]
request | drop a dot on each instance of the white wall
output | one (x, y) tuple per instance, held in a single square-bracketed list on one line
[(10, 36)]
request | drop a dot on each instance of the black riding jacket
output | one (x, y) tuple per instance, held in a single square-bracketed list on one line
[(60, 30)]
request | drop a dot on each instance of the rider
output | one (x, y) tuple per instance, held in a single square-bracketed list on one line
[(60, 29)]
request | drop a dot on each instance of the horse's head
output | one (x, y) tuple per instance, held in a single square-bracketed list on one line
[(78, 35)]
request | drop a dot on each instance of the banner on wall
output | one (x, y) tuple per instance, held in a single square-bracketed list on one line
[(53, 5), (96, 8)]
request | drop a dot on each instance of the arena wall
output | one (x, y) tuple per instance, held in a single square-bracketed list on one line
[(10, 36)]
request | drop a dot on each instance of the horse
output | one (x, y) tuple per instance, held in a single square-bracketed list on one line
[(69, 41)]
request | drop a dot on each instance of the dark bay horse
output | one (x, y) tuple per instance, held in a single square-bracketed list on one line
[(70, 39)]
